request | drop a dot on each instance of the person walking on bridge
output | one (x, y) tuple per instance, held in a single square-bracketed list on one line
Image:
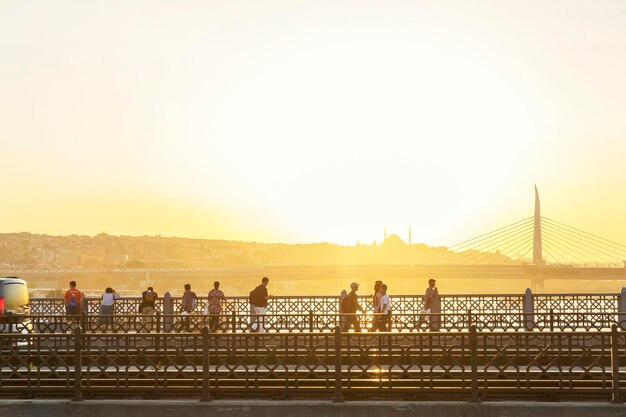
[(429, 299), (258, 306), (376, 320), (350, 307), (385, 310)]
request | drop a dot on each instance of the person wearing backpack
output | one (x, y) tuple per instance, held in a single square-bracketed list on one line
[(258, 306), (148, 299), (147, 307), (73, 300), (350, 307)]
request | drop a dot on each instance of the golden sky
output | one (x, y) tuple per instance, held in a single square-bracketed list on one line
[(304, 121)]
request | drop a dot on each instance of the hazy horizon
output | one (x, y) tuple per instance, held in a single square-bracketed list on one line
[(297, 121)]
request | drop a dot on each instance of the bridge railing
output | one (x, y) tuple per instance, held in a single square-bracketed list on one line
[(312, 322), (454, 303), (470, 366)]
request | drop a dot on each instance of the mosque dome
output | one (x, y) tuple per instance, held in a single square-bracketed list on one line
[(394, 240)]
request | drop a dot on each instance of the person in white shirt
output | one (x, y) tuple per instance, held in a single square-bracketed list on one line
[(106, 305), (385, 309)]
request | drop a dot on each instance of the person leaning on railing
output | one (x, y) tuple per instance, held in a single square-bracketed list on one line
[(148, 298), (107, 303), (147, 307)]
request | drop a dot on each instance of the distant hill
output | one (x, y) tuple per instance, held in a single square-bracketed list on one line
[(26, 250)]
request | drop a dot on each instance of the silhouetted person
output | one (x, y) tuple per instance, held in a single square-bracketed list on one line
[(342, 297), (188, 304), (350, 306), (148, 300), (429, 298), (258, 306), (215, 300), (189, 301), (147, 307), (376, 305), (384, 310)]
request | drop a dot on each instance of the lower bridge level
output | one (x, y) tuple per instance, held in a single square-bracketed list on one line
[(465, 366)]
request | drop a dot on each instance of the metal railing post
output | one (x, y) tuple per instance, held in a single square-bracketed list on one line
[(469, 318), (234, 321), (551, 319), (615, 390), (621, 308), (168, 312), (338, 381), (10, 322), (206, 395), (78, 364), (310, 321), (552, 327), (158, 322), (473, 339), (528, 310)]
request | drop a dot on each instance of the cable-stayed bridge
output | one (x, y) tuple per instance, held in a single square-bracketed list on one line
[(539, 240)]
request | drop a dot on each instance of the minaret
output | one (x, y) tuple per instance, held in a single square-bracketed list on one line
[(537, 252), (409, 235)]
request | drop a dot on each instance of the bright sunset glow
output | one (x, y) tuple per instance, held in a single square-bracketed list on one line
[(300, 121)]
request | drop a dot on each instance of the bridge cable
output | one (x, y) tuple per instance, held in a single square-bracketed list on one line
[(566, 248), (505, 253), (496, 239), (605, 249), (564, 258), (590, 253), (602, 240), (503, 250), (489, 234), (487, 240)]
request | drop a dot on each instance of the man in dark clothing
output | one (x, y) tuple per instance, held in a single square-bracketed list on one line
[(190, 300), (148, 298), (350, 306), (146, 308), (258, 306), (187, 305)]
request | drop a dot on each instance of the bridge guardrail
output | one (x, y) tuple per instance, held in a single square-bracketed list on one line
[(468, 366), (452, 303), (313, 322)]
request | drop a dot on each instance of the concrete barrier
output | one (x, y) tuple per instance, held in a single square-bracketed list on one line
[(230, 408)]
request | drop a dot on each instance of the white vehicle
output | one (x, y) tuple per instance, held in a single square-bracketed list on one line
[(14, 306)]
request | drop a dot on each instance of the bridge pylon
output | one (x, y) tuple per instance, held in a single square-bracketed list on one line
[(537, 245)]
